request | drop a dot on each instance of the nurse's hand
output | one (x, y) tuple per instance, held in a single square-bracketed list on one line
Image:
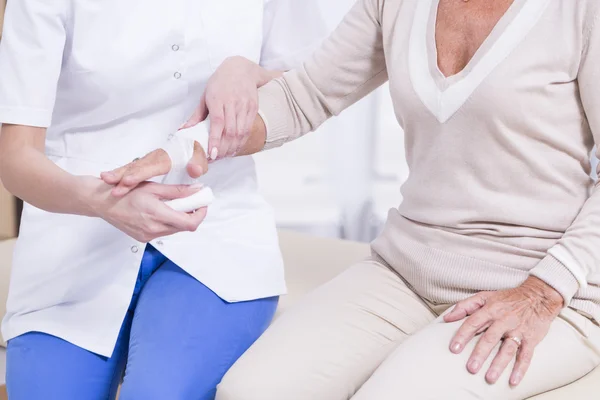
[(142, 213), (153, 164), (231, 103)]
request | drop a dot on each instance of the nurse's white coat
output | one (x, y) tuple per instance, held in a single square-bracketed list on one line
[(112, 80)]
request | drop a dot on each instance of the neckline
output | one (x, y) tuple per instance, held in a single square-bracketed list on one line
[(445, 96), (497, 31)]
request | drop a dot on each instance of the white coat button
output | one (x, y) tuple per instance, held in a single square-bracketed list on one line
[(177, 75), (134, 249), (175, 47), (160, 243)]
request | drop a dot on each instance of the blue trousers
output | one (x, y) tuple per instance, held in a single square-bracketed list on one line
[(176, 343)]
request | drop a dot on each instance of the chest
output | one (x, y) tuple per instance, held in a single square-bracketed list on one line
[(462, 27), (115, 38), (500, 75), (137, 57)]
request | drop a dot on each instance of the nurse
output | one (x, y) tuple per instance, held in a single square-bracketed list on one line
[(105, 283)]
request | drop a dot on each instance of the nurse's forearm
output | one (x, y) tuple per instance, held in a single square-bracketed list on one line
[(28, 174)]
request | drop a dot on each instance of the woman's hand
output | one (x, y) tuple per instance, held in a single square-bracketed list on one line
[(142, 213), (518, 318), (231, 103), (153, 164)]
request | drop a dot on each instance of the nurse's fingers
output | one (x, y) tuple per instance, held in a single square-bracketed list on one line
[(180, 221), (230, 132), (169, 222), (172, 192), (189, 221), (217, 124), (242, 128), (251, 113), (198, 165), (126, 178), (198, 116)]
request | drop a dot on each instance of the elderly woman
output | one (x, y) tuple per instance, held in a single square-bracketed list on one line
[(485, 281)]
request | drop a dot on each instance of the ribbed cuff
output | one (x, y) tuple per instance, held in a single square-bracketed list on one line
[(274, 110), (555, 274)]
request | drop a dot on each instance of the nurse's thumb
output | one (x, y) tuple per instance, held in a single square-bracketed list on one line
[(172, 192), (199, 115), (198, 164)]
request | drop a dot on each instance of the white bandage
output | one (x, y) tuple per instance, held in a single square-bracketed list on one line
[(180, 149), (199, 133)]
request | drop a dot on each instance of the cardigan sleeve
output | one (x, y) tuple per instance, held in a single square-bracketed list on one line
[(576, 255), (348, 66)]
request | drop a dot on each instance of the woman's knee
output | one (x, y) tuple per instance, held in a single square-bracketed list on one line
[(240, 388)]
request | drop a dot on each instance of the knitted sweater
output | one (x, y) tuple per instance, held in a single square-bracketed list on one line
[(499, 186)]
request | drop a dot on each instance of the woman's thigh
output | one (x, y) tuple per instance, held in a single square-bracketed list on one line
[(325, 347), (424, 368), (41, 366), (184, 337)]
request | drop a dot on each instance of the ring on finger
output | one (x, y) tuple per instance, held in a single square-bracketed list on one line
[(515, 339)]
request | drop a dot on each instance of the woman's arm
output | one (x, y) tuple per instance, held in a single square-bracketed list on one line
[(523, 315), (349, 65), (576, 256)]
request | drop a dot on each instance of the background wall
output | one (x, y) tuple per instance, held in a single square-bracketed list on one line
[(342, 179)]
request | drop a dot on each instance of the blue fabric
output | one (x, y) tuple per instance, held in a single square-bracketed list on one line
[(176, 343)]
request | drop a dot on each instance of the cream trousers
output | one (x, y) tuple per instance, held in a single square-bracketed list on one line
[(367, 336)]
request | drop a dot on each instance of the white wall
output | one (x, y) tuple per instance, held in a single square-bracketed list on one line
[(342, 179)]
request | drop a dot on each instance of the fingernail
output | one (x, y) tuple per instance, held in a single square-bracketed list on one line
[(474, 366), (196, 186), (214, 153), (515, 380), (456, 347), (493, 376)]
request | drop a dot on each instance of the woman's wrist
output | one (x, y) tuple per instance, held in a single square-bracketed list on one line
[(544, 293)]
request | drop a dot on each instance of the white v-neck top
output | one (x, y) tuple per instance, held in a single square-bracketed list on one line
[(111, 80), (499, 186)]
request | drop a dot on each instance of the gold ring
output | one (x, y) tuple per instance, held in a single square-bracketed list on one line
[(515, 339)]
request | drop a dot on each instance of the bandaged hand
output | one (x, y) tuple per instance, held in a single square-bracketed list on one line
[(181, 160)]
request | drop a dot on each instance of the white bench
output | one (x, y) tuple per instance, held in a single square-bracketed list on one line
[(309, 263)]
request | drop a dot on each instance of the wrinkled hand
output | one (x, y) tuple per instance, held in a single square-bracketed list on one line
[(525, 313), (154, 164), (142, 213), (231, 103)]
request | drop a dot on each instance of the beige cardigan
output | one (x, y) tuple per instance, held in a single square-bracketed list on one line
[(499, 185)]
